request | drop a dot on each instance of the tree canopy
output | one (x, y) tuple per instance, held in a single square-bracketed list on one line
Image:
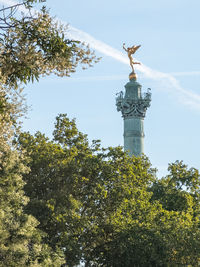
[(33, 44), (21, 243), (108, 209)]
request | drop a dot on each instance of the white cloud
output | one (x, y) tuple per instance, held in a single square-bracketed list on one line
[(186, 97)]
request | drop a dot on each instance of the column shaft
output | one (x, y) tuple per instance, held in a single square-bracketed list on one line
[(134, 136)]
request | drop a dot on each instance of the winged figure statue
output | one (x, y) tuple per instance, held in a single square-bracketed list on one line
[(130, 51)]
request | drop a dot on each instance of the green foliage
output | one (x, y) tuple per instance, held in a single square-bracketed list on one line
[(21, 244), (180, 190), (32, 46), (106, 208)]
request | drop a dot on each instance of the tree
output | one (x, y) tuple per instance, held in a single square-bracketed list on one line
[(180, 190), (31, 45), (100, 205), (34, 44), (75, 189), (21, 243)]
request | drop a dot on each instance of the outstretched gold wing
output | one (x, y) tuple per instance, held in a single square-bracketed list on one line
[(134, 48)]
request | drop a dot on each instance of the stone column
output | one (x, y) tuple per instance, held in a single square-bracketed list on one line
[(133, 106)]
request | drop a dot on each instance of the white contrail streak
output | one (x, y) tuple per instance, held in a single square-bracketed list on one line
[(186, 73), (100, 46), (187, 97)]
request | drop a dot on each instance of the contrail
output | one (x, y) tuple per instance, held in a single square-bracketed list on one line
[(100, 46), (186, 73), (186, 97)]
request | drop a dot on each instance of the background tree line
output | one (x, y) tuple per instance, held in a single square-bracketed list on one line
[(63, 201)]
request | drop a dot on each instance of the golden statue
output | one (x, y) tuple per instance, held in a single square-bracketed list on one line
[(130, 51)]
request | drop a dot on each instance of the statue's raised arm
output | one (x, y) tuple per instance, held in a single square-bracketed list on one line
[(124, 47), (130, 51)]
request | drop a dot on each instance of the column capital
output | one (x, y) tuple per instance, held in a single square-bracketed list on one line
[(133, 103)]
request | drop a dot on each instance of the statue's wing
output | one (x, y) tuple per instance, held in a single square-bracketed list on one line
[(135, 48)]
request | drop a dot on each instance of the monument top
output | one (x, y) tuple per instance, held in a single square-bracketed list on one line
[(130, 51), (133, 106)]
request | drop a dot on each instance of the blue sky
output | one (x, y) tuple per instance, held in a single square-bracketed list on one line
[(169, 32)]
